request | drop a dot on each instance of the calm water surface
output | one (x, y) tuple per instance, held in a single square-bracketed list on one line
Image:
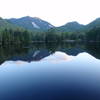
[(50, 72)]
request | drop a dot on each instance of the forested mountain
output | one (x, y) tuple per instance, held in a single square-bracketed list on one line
[(4, 24), (93, 24), (76, 27), (31, 23), (93, 34), (70, 27), (37, 24), (29, 30)]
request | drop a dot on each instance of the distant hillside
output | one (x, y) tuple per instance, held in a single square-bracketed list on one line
[(93, 24), (5, 24), (31, 23), (28, 30), (70, 27), (76, 27), (36, 24)]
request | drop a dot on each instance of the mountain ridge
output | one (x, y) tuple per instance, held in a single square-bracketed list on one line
[(71, 27), (35, 23), (31, 23)]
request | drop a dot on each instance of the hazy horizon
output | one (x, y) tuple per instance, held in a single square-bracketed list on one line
[(56, 12)]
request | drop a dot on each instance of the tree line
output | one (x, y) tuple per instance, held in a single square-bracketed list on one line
[(20, 36)]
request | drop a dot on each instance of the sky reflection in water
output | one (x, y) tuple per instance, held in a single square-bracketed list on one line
[(56, 77)]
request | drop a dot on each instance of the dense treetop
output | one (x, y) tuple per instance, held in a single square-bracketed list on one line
[(18, 31)]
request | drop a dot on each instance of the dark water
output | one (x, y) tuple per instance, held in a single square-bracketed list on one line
[(25, 53), (50, 72)]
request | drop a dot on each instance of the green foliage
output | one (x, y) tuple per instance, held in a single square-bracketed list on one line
[(93, 35), (11, 34)]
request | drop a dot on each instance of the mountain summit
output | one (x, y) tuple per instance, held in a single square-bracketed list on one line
[(70, 27), (93, 24), (37, 24), (31, 23)]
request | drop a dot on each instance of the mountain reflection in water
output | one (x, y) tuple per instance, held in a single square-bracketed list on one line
[(45, 72), (65, 77)]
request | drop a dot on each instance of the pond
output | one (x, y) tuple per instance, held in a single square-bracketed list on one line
[(50, 72)]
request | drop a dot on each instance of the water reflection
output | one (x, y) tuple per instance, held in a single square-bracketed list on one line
[(70, 78), (36, 52), (58, 56)]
